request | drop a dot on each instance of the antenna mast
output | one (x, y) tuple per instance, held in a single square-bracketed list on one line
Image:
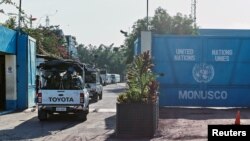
[(47, 21)]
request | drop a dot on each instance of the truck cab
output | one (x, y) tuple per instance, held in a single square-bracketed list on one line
[(62, 89)]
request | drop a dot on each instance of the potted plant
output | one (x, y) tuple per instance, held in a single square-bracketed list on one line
[(137, 108)]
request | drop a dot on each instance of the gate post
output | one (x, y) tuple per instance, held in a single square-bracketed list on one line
[(146, 41)]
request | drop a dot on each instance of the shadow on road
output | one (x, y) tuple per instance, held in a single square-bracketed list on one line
[(113, 137), (33, 128), (91, 101), (110, 123), (202, 113)]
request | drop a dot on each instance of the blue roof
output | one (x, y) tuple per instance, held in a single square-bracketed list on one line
[(225, 32), (7, 40)]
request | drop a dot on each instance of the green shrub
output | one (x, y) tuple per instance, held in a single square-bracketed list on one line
[(142, 84)]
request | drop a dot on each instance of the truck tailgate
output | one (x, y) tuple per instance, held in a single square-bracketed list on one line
[(61, 97)]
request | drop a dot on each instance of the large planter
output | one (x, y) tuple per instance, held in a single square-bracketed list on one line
[(136, 120)]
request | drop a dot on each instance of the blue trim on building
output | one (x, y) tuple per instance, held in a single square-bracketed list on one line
[(31, 95), (22, 72), (137, 46), (11, 104), (31, 71), (6, 112)]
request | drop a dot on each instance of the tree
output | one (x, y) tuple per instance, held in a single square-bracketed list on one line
[(10, 2), (109, 57), (160, 23), (49, 41), (6, 2), (10, 23)]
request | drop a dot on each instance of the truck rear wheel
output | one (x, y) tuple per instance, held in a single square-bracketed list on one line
[(100, 96), (42, 115), (83, 116), (87, 111), (95, 97)]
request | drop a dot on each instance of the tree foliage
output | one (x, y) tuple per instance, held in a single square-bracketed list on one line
[(49, 41), (114, 59), (160, 23), (10, 2), (7, 2), (109, 57), (10, 23)]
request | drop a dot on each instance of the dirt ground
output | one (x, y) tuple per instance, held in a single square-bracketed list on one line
[(192, 123)]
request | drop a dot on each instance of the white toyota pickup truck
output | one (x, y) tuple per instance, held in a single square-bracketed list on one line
[(62, 89)]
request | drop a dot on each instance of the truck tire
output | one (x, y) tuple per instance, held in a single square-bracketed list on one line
[(42, 115), (87, 111), (95, 97), (100, 96), (83, 116)]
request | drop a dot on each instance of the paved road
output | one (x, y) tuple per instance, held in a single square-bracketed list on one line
[(108, 103), (99, 125), (175, 123)]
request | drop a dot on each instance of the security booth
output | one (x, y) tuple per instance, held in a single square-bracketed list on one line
[(200, 70), (17, 59), (8, 84)]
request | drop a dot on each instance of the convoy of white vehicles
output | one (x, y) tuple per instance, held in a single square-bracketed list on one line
[(67, 86), (111, 78), (115, 78)]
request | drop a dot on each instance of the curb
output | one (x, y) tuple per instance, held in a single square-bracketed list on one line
[(32, 109), (6, 112)]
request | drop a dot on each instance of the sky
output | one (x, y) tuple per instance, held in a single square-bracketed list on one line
[(100, 21)]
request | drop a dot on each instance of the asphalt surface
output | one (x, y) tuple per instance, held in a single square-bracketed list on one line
[(175, 123)]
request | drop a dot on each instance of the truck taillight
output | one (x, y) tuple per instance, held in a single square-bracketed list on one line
[(39, 97), (81, 97)]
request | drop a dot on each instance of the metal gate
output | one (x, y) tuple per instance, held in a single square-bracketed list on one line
[(203, 70)]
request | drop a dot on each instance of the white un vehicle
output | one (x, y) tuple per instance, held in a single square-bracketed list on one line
[(93, 83), (62, 89)]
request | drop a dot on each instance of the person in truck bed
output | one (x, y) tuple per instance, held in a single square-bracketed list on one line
[(68, 78), (77, 82), (53, 80)]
